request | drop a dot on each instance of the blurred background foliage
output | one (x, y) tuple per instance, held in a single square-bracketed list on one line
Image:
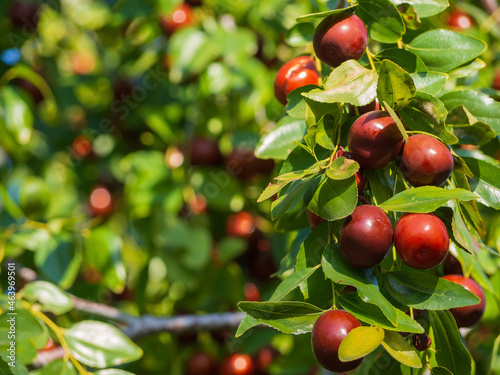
[(127, 176)]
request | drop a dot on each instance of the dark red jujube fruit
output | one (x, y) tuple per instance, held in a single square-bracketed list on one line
[(340, 37), (327, 334), (421, 240), (237, 364), (425, 161), (467, 316), (366, 236), (374, 140)]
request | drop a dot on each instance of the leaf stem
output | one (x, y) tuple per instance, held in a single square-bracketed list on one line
[(369, 55), (58, 332)]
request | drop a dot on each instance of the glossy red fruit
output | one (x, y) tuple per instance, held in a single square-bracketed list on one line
[(496, 80), (451, 265), (181, 16), (459, 20), (240, 224), (251, 292), (340, 37), (243, 164), (296, 73), (101, 201), (205, 152), (374, 140), (366, 236), (24, 14), (327, 334), (421, 240), (201, 363), (425, 161), (237, 364), (467, 316)]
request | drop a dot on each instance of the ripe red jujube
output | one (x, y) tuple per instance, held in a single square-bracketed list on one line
[(238, 364), (327, 334), (425, 161), (421, 240), (467, 316), (366, 236), (298, 72), (340, 37), (374, 140)]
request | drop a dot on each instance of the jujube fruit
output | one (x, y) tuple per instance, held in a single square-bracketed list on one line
[(421, 240), (298, 72), (327, 334), (459, 20), (425, 161), (340, 37), (238, 364), (201, 363), (374, 140), (240, 224), (182, 15), (467, 316), (243, 164), (366, 236)]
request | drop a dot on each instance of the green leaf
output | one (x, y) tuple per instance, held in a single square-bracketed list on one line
[(486, 181), (272, 189), (321, 15), (398, 122), (381, 182), (103, 248), (467, 128), (466, 70), (349, 83), (333, 199), (480, 105), (51, 297), (450, 351), (359, 342), (4, 367), (401, 350), (279, 142), (300, 159), (382, 19), (438, 49), (426, 8), (424, 199), (395, 86), (372, 315), (342, 168), (427, 292), (100, 345), (59, 367), (326, 132), (426, 113), (429, 82), (300, 35), (364, 280), (440, 371), (405, 59), (287, 316), (60, 263), (292, 282), (311, 250), (113, 371), (247, 323), (30, 327), (289, 199), (410, 16), (15, 115)]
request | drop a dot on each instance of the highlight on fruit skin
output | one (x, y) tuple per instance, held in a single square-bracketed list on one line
[(340, 37)]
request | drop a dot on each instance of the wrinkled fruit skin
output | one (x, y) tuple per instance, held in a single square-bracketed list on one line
[(205, 152), (340, 37), (327, 334), (421, 341), (425, 161), (467, 316), (459, 20), (238, 364), (201, 363), (298, 72), (374, 140), (421, 240), (243, 164), (366, 236), (181, 16)]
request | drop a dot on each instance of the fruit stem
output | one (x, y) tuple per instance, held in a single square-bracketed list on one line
[(411, 312), (369, 55)]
